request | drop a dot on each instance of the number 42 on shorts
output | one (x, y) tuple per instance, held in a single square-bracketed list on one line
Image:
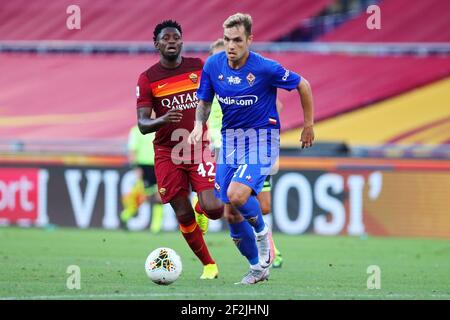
[(209, 171)]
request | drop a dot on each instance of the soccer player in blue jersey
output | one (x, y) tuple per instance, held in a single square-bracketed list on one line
[(245, 83)]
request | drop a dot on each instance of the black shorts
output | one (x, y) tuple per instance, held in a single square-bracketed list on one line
[(148, 175)]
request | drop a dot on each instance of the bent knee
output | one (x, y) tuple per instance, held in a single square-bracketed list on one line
[(266, 206), (211, 205), (213, 209), (237, 199), (214, 213), (266, 209)]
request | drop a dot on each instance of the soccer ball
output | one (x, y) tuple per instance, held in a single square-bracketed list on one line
[(163, 266)]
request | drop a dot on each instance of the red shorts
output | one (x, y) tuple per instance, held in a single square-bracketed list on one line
[(177, 180)]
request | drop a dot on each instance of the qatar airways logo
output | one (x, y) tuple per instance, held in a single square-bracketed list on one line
[(181, 102), (244, 101)]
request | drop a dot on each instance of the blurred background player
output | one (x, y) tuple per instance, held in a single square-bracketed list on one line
[(240, 77), (215, 135), (169, 89), (142, 158)]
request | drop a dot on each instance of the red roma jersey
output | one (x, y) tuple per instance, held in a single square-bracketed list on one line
[(163, 89)]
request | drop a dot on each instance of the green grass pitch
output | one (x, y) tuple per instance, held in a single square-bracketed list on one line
[(34, 264)]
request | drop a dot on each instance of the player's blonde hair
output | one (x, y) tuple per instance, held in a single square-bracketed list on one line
[(239, 19)]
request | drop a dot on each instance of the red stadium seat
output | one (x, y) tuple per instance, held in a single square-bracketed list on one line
[(77, 97), (107, 20), (401, 21)]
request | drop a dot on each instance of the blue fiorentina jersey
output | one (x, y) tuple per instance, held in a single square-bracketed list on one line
[(247, 96)]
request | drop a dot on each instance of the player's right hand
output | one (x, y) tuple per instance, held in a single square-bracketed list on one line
[(307, 137), (196, 134), (172, 116)]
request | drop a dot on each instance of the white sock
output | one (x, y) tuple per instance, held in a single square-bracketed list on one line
[(256, 266), (263, 231), (268, 220)]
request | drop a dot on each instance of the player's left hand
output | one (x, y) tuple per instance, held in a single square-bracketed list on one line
[(307, 137)]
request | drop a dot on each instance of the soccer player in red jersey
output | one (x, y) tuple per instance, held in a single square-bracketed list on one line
[(169, 88)]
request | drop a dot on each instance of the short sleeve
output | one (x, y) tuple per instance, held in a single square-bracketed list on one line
[(143, 92), (205, 91), (283, 78)]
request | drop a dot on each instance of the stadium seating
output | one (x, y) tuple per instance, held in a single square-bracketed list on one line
[(102, 86), (419, 116), (343, 83), (401, 21), (68, 96), (92, 96), (103, 20)]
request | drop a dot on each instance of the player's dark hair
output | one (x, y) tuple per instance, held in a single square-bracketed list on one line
[(166, 24)]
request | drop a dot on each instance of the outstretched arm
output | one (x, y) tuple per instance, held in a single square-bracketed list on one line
[(307, 136), (147, 124)]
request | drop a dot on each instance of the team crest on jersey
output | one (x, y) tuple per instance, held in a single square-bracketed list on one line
[(251, 78), (216, 185), (162, 191), (193, 77), (220, 77)]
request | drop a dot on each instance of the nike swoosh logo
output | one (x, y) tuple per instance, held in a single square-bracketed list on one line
[(161, 85), (211, 179), (268, 261)]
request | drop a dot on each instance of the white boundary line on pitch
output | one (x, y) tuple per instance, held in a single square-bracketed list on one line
[(179, 294)]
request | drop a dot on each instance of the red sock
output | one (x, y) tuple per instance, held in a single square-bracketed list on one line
[(194, 238)]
